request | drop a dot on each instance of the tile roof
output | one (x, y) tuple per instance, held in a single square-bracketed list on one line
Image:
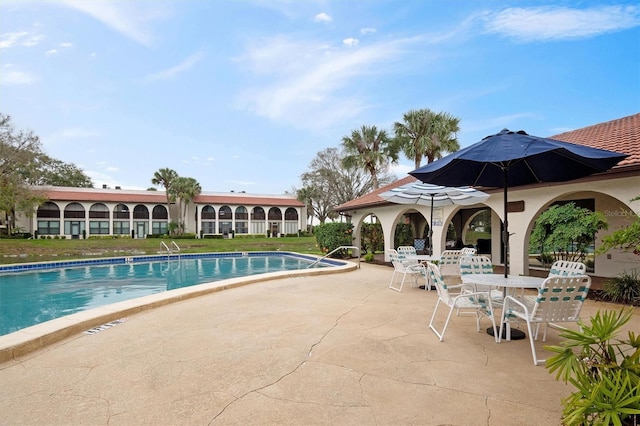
[(621, 135), (372, 198), (159, 197)]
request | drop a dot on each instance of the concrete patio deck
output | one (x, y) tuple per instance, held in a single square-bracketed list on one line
[(324, 349)]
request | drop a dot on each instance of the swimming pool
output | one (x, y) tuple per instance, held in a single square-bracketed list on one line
[(42, 294)]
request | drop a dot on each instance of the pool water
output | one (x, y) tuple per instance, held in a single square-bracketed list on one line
[(30, 298)]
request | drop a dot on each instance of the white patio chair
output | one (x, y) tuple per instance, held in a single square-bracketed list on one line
[(405, 268), (565, 268), (467, 251), (481, 265), (449, 263), (478, 301), (404, 251), (559, 300)]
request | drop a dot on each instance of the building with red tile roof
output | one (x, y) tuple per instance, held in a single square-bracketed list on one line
[(85, 212), (610, 192)]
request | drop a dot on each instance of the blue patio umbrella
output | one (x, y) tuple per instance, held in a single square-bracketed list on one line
[(515, 158), (435, 196)]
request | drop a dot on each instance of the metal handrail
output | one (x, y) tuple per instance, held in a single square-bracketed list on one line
[(170, 249), (335, 250), (166, 247)]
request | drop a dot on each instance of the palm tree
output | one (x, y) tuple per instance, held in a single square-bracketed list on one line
[(370, 149), (165, 177), (443, 136), (426, 134), (411, 134), (185, 189)]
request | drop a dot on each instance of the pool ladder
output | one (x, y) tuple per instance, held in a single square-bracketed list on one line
[(170, 249), (354, 248)]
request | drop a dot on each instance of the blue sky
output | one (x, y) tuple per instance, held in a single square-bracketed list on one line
[(242, 95)]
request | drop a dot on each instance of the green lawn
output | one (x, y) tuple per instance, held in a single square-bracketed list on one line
[(21, 251)]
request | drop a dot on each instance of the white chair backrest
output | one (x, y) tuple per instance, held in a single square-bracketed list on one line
[(475, 265), (404, 251), (449, 263), (565, 268), (560, 299), (436, 278), (399, 262), (467, 251)]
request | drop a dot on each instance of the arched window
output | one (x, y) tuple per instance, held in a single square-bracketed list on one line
[(74, 211), (275, 213), (208, 213), (121, 224), (98, 211), (242, 216), (208, 225), (241, 213), (49, 210), (159, 213), (140, 212), (257, 213), (225, 213), (121, 211), (46, 212), (291, 214)]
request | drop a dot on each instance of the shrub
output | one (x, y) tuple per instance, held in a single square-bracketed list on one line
[(546, 259), (625, 288), (403, 235), (371, 237), (566, 230), (330, 236), (369, 257), (604, 370), (186, 236)]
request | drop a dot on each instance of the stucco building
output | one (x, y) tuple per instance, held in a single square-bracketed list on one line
[(85, 212), (608, 192)]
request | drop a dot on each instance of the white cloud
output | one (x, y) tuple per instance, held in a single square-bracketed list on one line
[(495, 124), (365, 31), (559, 23), (10, 77), (322, 17), (51, 52), (65, 45), (127, 18), (401, 169), (169, 73), (8, 40), (350, 41), (310, 87), (33, 40), (69, 136), (78, 133)]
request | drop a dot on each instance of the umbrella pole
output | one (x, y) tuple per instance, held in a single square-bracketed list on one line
[(505, 233), (431, 229)]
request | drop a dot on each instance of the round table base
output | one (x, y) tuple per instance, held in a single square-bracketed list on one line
[(515, 333), (433, 287)]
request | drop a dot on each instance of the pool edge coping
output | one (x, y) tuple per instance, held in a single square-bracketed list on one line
[(39, 336)]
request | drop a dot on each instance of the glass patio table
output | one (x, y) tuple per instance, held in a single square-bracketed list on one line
[(510, 282)]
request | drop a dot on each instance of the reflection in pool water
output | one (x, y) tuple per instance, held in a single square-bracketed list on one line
[(30, 298)]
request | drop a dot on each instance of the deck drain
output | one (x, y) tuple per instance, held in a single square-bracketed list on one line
[(105, 326)]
